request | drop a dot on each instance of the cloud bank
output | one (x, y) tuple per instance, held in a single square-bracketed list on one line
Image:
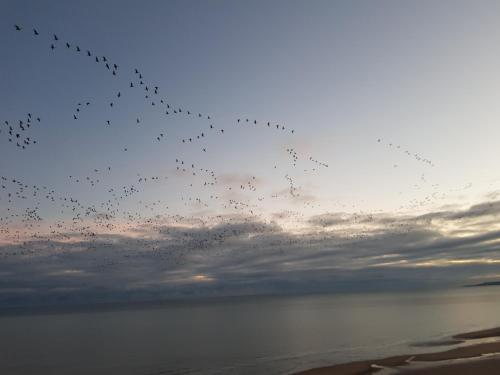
[(173, 257)]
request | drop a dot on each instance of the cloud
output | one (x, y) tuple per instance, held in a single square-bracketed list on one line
[(476, 211), (177, 257), (239, 179)]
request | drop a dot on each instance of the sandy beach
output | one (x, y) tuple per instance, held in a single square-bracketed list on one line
[(476, 358)]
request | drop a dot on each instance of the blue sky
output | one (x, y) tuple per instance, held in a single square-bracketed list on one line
[(398, 99)]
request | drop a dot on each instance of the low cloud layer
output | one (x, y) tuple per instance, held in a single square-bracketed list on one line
[(241, 255)]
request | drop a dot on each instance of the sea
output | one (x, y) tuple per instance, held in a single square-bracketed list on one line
[(243, 335)]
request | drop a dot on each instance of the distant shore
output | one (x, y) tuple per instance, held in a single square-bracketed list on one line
[(478, 359)]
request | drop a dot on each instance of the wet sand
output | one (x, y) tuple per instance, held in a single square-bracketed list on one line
[(492, 332), (482, 367), (403, 363)]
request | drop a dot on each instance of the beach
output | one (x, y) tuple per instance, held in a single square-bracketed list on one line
[(481, 358)]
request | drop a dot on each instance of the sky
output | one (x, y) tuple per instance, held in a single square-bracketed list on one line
[(378, 169)]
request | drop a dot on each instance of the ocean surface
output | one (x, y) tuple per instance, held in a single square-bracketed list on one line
[(257, 335)]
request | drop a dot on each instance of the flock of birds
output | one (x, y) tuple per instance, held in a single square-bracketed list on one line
[(17, 132), (415, 155), (21, 204)]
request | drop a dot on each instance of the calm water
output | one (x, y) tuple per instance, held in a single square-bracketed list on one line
[(251, 336)]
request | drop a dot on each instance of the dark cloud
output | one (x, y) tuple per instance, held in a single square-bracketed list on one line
[(241, 254), (476, 211)]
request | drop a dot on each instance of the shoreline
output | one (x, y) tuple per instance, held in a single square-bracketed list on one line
[(478, 358)]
